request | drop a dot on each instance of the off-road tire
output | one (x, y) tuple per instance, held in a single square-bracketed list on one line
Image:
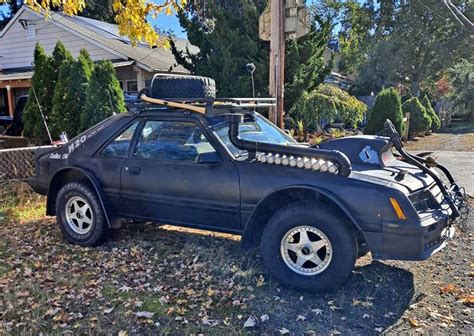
[(99, 229), (182, 87), (339, 232)]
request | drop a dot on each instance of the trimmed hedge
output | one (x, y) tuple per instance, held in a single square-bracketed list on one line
[(420, 121), (435, 121), (387, 106)]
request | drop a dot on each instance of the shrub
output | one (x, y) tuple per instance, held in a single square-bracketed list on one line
[(104, 96), (327, 102), (420, 122), (435, 121), (387, 106)]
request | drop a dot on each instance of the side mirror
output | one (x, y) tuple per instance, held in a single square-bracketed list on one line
[(209, 158)]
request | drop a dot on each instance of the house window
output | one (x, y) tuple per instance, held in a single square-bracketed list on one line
[(132, 86), (121, 84)]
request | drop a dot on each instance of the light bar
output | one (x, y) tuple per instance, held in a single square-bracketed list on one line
[(299, 162)]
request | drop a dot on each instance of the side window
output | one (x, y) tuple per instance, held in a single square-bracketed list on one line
[(119, 147), (172, 141)]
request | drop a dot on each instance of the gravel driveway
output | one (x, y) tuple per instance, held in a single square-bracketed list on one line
[(461, 165)]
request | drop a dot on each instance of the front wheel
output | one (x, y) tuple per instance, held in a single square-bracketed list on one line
[(80, 215), (307, 246)]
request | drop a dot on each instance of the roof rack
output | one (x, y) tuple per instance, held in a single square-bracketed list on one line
[(206, 105)]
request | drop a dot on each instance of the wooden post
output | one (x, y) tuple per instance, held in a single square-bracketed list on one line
[(10, 100), (277, 59)]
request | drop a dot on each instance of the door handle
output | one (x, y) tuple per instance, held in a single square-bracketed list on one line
[(133, 170)]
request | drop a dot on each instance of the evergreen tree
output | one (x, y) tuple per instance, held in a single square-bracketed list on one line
[(387, 106), (61, 100), (420, 122), (435, 121), (305, 68), (86, 60), (104, 96), (42, 88), (60, 56), (101, 10), (226, 44)]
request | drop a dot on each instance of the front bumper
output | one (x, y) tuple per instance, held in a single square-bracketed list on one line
[(406, 242)]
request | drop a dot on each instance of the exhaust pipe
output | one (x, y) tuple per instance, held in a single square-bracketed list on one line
[(343, 164)]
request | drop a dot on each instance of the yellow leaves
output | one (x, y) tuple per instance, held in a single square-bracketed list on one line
[(414, 323), (467, 299), (448, 288), (131, 16)]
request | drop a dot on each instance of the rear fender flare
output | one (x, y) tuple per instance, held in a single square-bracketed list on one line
[(90, 178)]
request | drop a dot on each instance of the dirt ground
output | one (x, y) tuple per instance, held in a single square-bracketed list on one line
[(164, 280)]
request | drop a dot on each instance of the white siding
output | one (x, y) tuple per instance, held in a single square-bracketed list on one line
[(16, 51)]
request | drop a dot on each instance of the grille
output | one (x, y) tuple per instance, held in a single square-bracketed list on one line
[(424, 201)]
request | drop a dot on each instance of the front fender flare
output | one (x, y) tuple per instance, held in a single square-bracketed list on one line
[(91, 179), (251, 225)]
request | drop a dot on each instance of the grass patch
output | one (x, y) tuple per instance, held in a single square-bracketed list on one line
[(19, 201)]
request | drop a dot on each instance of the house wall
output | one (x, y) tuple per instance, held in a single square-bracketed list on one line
[(16, 50)]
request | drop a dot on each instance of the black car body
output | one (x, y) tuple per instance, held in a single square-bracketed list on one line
[(395, 209)]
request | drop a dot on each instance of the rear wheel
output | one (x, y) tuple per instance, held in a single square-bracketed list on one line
[(80, 215), (307, 246)]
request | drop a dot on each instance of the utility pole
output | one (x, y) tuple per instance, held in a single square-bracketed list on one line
[(277, 59)]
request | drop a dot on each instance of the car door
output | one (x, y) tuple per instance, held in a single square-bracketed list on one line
[(108, 161), (176, 175)]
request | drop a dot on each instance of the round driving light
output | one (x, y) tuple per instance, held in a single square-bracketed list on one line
[(316, 165), (301, 161), (271, 158), (332, 169), (285, 160), (309, 164), (278, 159), (293, 161), (324, 167), (263, 158)]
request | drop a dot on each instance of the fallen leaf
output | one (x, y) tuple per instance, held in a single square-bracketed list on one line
[(466, 299), (260, 281), (122, 333), (145, 314), (211, 323), (317, 311), (366, 316), (284, 331), (250, 323), (108, 310), (448, 288), (380, 329), (414, 323), (264, 318), (300, 318)]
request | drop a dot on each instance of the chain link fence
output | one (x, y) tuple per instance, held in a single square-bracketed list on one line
[(17, 163)]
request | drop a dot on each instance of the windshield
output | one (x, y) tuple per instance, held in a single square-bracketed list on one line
[(254, 128)]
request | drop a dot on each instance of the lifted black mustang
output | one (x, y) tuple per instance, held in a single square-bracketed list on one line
[(312, 210)]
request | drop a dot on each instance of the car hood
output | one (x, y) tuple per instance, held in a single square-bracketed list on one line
[(398, 173)]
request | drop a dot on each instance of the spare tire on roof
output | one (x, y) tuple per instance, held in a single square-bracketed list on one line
[(174, 86)]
